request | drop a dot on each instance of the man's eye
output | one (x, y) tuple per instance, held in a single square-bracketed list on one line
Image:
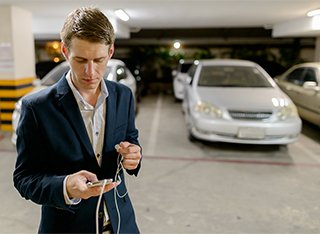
[(99, 60), (81, 61)]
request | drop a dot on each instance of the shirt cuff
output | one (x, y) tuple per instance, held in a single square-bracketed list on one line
[(69, 201)]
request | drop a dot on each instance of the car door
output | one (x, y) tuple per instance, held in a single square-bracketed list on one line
[(309, 98), (291, 84)]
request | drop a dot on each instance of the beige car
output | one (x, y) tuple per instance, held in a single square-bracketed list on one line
[(302, 84)]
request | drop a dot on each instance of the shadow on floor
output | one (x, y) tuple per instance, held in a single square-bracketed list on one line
[(310, 130)]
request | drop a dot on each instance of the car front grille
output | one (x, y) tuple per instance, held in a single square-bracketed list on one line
[(249, 115)]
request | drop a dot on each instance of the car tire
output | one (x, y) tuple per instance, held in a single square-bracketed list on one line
[(177, 100), (191, 137)]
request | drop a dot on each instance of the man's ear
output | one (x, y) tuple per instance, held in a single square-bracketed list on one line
[(111, 50), (64, 51)]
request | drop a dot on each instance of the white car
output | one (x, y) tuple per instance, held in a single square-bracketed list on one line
[(116, 71), (302, 84), (180, 78), (237, 101)]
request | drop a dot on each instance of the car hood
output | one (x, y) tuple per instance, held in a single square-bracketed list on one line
[(242, 98), (36, 88)]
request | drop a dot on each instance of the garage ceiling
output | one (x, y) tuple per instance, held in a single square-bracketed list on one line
[(285, 17)]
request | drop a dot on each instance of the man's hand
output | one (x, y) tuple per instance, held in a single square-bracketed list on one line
[(77, 185), (131, 154)]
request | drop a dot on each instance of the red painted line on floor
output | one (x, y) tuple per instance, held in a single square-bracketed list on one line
[(236, 161)]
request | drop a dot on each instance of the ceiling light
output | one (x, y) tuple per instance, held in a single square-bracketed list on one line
[(176, 44), (122, 14), (313, 12), (315, 22)]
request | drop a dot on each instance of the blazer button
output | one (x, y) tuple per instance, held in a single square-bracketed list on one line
[(100, 215)]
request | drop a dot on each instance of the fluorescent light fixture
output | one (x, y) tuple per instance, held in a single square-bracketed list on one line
[(122, 14), (313, 12), (315, 22)]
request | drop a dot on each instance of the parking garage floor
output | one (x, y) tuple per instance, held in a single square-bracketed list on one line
[(200, 187)]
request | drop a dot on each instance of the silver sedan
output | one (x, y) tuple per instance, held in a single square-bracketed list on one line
[(116, 70), (237, 101)]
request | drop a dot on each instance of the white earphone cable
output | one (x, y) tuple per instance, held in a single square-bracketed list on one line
[(116, 194), (98, 206)]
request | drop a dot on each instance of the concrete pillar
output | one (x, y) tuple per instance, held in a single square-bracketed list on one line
[(317, 50), (17, 60)]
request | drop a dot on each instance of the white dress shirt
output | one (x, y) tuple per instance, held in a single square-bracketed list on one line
[(94, 120)]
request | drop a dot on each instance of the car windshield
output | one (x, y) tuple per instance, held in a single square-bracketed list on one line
[(55, 74), (185, 67), (232, 76)]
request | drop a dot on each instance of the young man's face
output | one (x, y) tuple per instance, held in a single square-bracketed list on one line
[(88, 62)]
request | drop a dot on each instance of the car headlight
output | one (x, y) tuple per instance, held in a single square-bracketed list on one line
[(288, 111), (208, 109)]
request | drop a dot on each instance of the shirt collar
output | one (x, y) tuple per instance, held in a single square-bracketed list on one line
[(103, 94)]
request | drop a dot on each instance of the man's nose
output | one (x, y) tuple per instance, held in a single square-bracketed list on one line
[(89, 69)]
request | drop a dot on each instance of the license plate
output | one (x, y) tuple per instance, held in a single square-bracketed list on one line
[(251, 133)]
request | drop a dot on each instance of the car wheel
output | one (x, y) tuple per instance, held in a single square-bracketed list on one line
[(281, 147), (177, 100), (191, 137)]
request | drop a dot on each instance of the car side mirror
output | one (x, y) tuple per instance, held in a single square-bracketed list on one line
[(310, 85)]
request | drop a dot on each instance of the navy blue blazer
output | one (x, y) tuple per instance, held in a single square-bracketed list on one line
[(52, 142)]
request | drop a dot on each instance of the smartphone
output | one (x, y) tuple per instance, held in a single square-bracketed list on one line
[(98, 183)]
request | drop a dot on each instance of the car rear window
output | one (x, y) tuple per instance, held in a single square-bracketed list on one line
[(232, 76)]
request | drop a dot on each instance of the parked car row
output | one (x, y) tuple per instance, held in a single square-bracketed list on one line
[(229, 100), (236, 101), (116, 70)]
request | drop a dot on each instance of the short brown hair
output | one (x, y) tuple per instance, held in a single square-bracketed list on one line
[(87, 23)]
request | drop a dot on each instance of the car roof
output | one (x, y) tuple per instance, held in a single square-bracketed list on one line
[(113, 62), (184, 61), (309, 64), (234, 62)]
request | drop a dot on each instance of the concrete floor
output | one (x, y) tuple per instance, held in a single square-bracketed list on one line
[(200, 187)]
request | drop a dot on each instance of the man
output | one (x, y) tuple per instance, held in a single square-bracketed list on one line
[(67, 136)]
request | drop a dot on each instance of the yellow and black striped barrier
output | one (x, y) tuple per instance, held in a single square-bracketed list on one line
[(10, 92)]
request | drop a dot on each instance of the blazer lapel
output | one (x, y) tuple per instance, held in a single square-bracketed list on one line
[(67, 103), (110, 118)]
